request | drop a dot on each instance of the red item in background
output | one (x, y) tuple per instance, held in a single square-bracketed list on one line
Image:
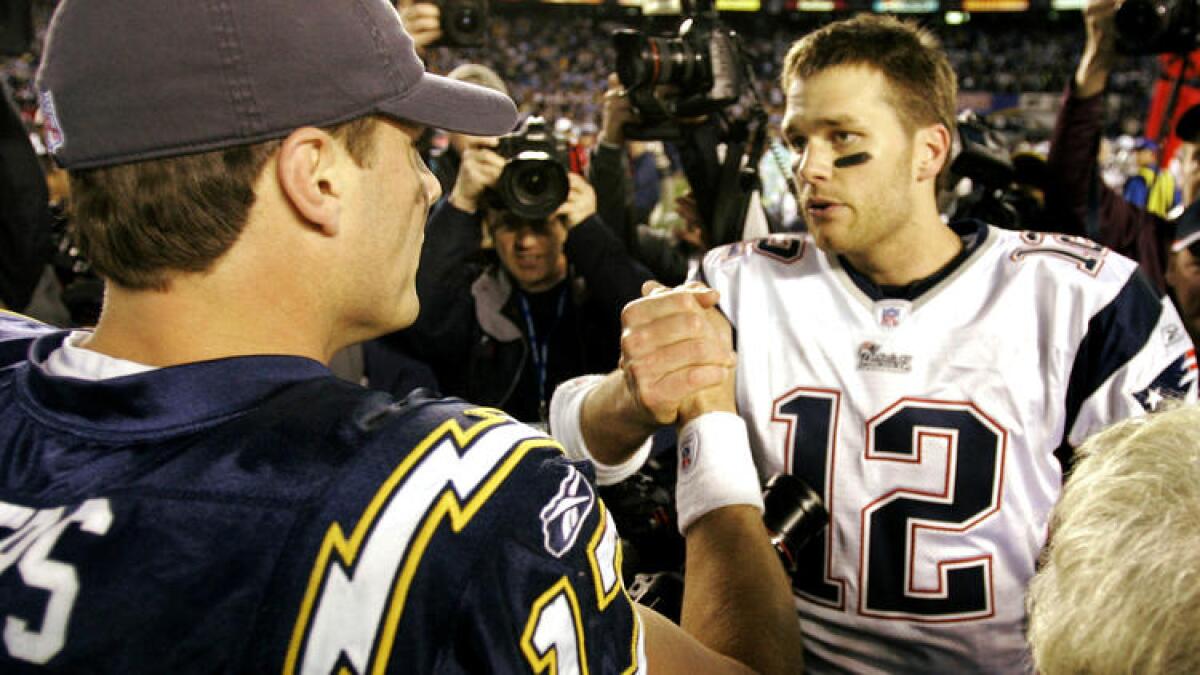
[(1189, 95)]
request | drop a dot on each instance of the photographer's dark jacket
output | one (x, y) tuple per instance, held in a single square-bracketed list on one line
[(664, 255), (1076, 189), (471, 330)]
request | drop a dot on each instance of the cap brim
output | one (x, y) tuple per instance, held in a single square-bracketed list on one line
[(1187, 228), (463, 107), (1188, 126)]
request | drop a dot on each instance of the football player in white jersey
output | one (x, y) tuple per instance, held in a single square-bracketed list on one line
[(928, 380)]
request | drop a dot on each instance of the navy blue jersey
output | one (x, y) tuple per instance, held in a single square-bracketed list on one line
[(256, 514)]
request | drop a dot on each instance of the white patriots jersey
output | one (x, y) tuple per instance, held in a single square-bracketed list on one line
[(930, 428)]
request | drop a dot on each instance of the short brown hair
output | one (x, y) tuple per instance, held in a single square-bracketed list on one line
[(924, 88), (136, 223)]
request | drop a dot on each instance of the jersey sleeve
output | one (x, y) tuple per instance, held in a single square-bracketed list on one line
[(1135, 356), (548, 595)]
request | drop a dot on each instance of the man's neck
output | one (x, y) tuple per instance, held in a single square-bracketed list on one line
[(914, 252), (177, 327)]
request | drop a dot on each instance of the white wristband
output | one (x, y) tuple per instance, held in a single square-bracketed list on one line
[(716, 468), (565, 407)]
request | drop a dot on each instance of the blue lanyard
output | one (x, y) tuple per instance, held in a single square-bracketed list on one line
[(540, 347)]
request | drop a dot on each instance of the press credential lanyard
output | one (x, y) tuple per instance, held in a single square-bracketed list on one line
[(540, 347)]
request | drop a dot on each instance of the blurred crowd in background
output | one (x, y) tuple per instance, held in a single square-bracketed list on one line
[(555, 60)]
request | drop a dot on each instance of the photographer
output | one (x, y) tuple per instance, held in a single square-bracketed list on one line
[(1077, 200), (544, 309), (665, 254), (668, 255)]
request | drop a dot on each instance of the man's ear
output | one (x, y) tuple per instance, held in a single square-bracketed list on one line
[(311, 169), (931, 151)]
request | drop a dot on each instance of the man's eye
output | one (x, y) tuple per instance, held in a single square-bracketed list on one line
[(845, 137)]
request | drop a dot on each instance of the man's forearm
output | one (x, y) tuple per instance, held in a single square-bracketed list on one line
[(737, 599), (613, 425), (1091, 77)]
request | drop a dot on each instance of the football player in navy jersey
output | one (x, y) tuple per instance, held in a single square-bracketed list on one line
[(929, 380), (187, 488)]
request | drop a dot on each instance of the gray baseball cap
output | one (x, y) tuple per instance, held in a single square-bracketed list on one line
[(129, 80)]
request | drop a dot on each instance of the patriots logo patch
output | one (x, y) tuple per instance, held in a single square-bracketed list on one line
[(1171, 384), (563, 517)]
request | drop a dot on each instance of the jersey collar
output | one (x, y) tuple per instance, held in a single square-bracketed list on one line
[(972, 232), (177, 398)]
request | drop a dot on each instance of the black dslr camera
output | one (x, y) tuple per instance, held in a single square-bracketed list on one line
[(534, 181), (1158, 26), (464, 23), (696, 72)]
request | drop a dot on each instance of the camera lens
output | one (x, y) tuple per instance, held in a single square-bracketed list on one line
[(533, 187), (680, 63), (633, 68), (465, 21), (531, 184)]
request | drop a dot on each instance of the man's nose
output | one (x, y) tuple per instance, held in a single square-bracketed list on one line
[(816, 165), (527, 236)]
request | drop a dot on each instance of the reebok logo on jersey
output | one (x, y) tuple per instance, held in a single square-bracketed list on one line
[(563, 517), (1172, 333), (1171, 384), (872, 357)]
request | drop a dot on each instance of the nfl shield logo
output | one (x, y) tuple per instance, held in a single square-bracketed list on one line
[(689, 450), (891, 313)]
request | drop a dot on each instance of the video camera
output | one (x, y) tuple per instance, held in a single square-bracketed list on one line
[(1158, 26), (982, 155), (697, 72), (534, 181)]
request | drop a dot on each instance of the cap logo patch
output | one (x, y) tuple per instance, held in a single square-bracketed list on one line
[(54, 135), (563, 517)]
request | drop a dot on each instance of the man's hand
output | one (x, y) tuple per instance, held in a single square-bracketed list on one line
[(480, 169), (616, 113), (423, 21), (677, 353), (1100, 50), (580, 204)]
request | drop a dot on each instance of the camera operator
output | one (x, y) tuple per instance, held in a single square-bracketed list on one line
[(1077, 198), (667, 255), (546, 307)]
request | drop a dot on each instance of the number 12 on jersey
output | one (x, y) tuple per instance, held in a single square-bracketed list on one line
[(889, 522)]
